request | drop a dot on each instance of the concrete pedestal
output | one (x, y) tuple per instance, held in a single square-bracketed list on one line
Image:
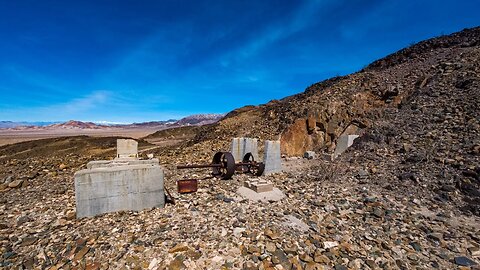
[(272, 157), (113, 187)]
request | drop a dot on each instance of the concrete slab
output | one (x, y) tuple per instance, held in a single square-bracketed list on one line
[(272, 157), (274, 195), (115, 188)]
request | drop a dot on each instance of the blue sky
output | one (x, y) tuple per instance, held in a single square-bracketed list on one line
[(127, 61)]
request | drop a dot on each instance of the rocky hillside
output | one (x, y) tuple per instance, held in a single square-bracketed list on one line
[(314, 119)]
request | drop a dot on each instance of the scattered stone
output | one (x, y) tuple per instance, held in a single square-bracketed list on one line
[(274, 195), (81, 253), (237, 232), (330, 244), (464, 261), (177, 263), (71, 215), (28, 241), (15, 184), (416, 246), (295, 223), (178, 248), (309, 155)]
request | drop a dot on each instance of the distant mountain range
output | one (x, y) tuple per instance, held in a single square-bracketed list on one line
[(192, 120)]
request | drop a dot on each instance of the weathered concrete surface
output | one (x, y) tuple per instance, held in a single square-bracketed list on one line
[(250, 146), (114, 188), (127, 148), (274, 195), (120, 162), (238, 146), (272, 157), (343, 143), (241, 146)]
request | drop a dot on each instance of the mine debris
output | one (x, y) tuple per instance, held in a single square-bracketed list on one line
[(223, 165), (249, 165), (187, 185), (259, 185)]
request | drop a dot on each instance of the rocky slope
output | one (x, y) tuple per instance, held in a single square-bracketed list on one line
[(349, 104)]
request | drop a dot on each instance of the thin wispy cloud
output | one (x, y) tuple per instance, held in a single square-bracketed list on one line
[(160, 59)]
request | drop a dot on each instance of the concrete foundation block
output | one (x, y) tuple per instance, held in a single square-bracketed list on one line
[(259, 185), (272, 157), (112, 188), (343, 143)]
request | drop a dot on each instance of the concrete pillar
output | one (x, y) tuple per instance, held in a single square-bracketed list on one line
[(343, 143), (241, 146), (250, 146), (238, 146), (117, 187), (272, 157)]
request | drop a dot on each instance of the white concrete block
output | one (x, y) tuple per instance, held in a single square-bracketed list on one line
[(343, 143), (250, 146), (309, 155), (127, 148), (238, 147), (115, 188), (272, 157), (241, 146)]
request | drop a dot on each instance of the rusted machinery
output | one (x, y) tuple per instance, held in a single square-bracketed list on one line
[(223, 165), (249, 165)]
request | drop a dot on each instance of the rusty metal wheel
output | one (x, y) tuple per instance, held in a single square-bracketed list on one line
[(248, 158), (253, 167), (227, 165), (258, 169)]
